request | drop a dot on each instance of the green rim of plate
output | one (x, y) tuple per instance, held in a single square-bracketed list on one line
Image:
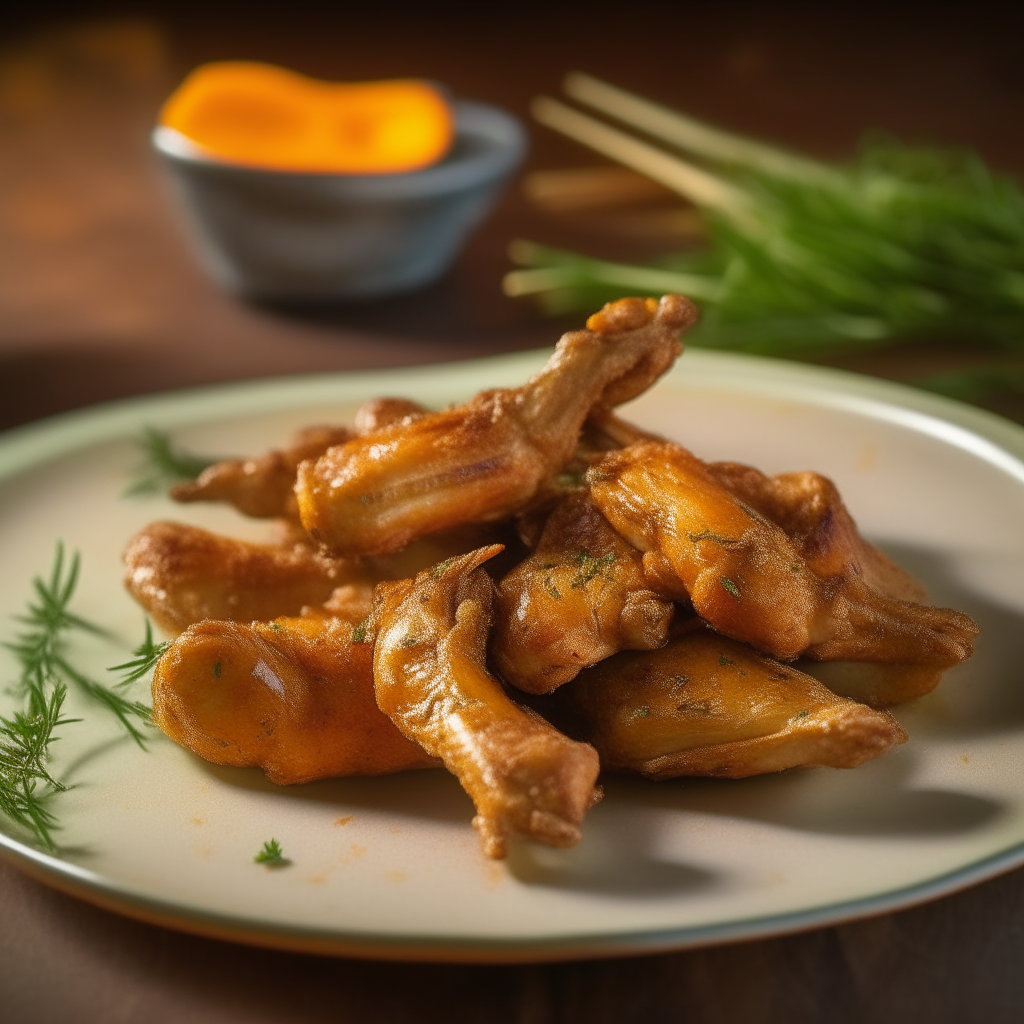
[(983, 434)]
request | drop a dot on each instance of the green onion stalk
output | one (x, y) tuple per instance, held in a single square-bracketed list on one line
[(907, 242)]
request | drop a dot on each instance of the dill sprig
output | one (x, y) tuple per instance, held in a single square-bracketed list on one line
[(905, 242), (37, 648), (146, 655), (127, 712), (272, 855), (163, 464), (25, 781), (27, 735), (40, 647), (589, 567)]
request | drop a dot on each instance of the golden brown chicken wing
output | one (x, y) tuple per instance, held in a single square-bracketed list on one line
[(580, 597), (809, 509), (746, 576), (378, 413), (484, 460), (526, 778), (262, 487), (293, 697), (708, 705), (182, 574)]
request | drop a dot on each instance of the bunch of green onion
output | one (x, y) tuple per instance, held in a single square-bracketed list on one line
[(907, 242)]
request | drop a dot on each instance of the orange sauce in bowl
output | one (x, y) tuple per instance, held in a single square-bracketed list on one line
[(264, 116)]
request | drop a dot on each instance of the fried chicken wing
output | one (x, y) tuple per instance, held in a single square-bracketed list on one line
[(525, 778), (293, 697), (485, 459), (182, 574), (708, 705), (751, 581), (262, 487), (809, 509), (378, 413), (580, 597), (879, 684)]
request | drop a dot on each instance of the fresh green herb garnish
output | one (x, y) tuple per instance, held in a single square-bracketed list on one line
[(723, 660), (904, 242), (730, 586), (409, 640), (25, 781), (40, 648), (803, 714), (708, 535), (442, 567), (26, 735), (644, 712), (590, 567), (272, 855), (216, 670), (147, 654), (572, 477), (550, 587), (359, 633), (163, 464), (127, 712)]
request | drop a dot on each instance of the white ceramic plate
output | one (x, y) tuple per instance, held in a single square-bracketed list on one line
[(390, 867)]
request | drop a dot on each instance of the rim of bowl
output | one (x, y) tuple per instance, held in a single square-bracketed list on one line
[(504, 133)]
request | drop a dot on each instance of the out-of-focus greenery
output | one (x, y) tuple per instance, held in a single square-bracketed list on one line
[(907, 242)]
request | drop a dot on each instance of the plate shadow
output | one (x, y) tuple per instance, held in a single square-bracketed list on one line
[(874, 800)]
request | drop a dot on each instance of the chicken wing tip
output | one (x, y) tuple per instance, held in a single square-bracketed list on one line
[(630, 314)]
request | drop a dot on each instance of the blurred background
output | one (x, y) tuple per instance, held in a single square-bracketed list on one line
[(100, 294)]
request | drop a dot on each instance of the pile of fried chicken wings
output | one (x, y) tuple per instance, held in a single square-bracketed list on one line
[(526, 589)]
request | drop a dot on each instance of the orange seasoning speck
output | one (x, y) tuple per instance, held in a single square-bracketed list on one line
[(264, 116)]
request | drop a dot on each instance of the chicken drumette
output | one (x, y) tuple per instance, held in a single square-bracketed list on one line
[(264, 486), (485, 460), (822, 592), (183, 574), (294, 697)]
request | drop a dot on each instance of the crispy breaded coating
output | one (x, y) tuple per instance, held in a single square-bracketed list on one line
[(485, 459), (526, 779)]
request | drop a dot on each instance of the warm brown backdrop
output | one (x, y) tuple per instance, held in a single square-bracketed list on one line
[(99, 298)]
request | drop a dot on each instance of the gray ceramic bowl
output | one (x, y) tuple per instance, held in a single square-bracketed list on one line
[(317, 237)]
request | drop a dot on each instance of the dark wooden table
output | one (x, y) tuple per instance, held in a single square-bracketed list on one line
[(100, 298)]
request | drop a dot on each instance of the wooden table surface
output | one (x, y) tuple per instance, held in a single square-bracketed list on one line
[(100, 298)]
